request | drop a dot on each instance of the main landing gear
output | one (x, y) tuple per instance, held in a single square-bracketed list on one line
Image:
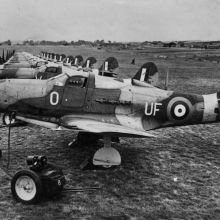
[(8, 119), (105, 157)]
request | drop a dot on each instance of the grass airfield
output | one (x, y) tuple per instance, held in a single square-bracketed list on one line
[(173, 176)]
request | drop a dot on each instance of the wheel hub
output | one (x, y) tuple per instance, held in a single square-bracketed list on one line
[(25, 188)]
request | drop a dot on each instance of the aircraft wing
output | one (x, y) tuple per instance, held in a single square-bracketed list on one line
[(93, 126), (44, 124), (89, 125)]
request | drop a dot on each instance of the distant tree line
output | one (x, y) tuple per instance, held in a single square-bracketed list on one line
[(64, 42), (97, 43), (7, 42), (131, 45)]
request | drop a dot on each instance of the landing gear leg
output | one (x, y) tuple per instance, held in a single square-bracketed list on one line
[(105, 157), (10, 118)]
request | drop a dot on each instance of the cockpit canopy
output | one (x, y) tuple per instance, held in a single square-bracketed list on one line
[(80, 79), (72, 78)]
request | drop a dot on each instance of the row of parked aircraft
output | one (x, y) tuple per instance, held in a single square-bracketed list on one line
[(4, 58), (26, 66), (95, 105)]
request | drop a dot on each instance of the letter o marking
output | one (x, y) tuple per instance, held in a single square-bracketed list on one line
[(54, 98)]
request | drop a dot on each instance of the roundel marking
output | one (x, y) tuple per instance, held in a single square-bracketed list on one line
[(54, 98), (179, 109)]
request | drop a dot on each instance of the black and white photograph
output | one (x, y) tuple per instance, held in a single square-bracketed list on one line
[(109, 109)]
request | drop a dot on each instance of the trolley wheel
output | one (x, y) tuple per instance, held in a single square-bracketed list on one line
[(26, 187)]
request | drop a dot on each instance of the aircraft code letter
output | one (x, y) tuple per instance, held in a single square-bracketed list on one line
[(54, 98), (153, 108)]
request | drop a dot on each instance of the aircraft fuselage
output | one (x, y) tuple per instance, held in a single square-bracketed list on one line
[(142, 108)]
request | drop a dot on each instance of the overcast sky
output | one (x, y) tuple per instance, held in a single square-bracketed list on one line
[(115, 20)]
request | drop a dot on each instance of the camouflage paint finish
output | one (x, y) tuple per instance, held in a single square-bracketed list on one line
[(142, 108)]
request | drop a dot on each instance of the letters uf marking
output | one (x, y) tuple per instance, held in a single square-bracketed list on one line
[(153, 108)]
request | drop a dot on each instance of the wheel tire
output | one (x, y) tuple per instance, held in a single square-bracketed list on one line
[(5, 119), (26, 196)]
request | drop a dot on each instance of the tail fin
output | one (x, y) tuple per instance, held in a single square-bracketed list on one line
[(52, 56), (77, 61), (147, 73), (3, 56), (56, 57), (1, 61), (68, 60), (62, 57), (90, 61), (7, 56), (48, 55), (166, 80), (109, 67)]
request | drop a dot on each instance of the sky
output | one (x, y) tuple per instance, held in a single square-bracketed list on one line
[(115, 20)]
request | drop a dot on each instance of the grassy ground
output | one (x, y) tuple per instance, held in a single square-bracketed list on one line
[(173, 176)]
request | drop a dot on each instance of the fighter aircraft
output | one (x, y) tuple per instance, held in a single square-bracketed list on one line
[(103, 106)]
